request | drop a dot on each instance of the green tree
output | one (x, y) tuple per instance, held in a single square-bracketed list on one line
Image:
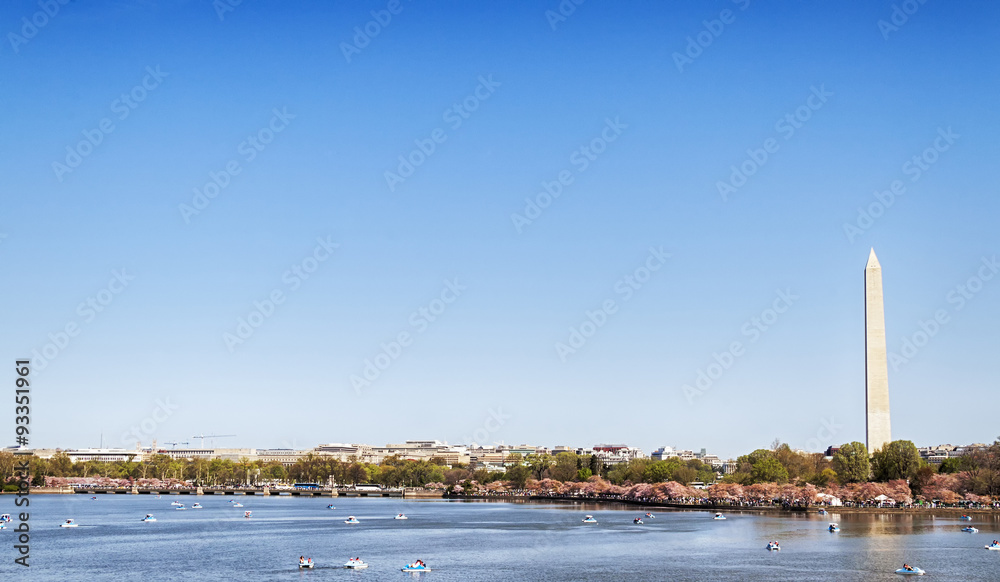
[(896, 460), (851, 463), (595, 464), (952, 465), (684, 475), (659, 472), (769, 470), (518, 476), (538, 464), (564, 468)]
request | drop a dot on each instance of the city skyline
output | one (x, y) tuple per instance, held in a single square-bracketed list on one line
[(631, 223)]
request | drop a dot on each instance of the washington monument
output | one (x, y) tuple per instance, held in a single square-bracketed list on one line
[(876, 366)]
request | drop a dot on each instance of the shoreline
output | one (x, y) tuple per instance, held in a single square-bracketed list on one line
[(722, 507)]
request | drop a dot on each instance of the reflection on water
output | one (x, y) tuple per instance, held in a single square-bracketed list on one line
[(482, 541)]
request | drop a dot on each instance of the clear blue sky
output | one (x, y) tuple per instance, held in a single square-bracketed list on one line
[(668, 131)]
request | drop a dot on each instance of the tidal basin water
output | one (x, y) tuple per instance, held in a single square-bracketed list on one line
[(471, 541)]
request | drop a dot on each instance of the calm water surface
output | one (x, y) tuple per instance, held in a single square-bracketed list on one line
[(471, 541)]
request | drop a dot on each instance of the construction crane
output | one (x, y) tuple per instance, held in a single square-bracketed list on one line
[(174, 445), (210, 436)]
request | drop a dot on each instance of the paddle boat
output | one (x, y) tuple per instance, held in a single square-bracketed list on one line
[(3, 525), (180, 508), (196, 506), (69, 523), (237, 505), (993, 546), (93, 498), (589, 519), (400, 516), (966, 517), (719, 516), (306, 562), (176, 503), (248, 514), (356, 564), (5, 517), (330, 506), (823, 512), (773, 546), (637, 521), (970, 530), (149, 517), (351, 519), (418, 566), (650, 515), (910, 571), (834, 527)]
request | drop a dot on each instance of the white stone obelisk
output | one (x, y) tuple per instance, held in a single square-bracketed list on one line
[(876, 364)]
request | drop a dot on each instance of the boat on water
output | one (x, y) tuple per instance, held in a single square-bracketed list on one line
[(149, 517), (330, 506), (351, 519), (3, 525), (180, 508), (5, 517), (418, 566), (970, 530), (356, 564), (68, 523), (993, 547), (637, 521), (966, 517), (306, 563), (719, 516), (650, 515), (176, 503), (94, 498), (823, 512), (912, 571), (834, 527), (237, 505), (400, 516), (196, 506), (589, 519), (247, 514), (773, 546)]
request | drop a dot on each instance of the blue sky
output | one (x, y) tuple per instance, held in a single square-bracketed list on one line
[(818, 102)]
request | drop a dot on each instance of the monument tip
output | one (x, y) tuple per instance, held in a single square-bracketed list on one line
[(872, 260)]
